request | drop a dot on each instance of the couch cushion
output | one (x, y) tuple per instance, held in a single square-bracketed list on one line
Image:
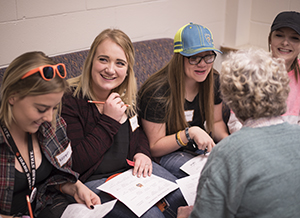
[(151, 56), (73, 61)]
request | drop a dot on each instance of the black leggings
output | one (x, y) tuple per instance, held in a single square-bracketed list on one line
[(55, 210)]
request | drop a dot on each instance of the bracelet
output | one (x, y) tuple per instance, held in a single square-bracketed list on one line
[(179, 141), (187, 134)]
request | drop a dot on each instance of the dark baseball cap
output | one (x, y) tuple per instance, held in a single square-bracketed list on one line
[(289, 19)]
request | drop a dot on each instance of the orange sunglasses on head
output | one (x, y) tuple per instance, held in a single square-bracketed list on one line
[(48, 71)]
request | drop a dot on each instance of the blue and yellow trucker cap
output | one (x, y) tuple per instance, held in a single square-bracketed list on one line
[(192, 39)]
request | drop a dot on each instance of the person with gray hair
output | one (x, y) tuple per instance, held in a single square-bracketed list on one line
[(254, 172), (254, 85)]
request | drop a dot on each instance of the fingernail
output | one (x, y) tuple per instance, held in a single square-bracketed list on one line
[(92, 207)]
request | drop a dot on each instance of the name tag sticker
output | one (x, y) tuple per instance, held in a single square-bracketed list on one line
[(64, 156), (134, 123), (189, 115)]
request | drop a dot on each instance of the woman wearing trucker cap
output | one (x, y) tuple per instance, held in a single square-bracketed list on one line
[(284, 42), (176, 101)]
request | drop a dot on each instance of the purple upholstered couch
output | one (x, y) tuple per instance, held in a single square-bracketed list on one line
[(150, 56)]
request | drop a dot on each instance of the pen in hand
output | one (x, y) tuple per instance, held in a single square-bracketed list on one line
[(194, 144), (205, 151), (102, 102), (195, 147)]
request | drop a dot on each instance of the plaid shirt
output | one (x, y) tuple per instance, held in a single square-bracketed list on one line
[(52, 143)]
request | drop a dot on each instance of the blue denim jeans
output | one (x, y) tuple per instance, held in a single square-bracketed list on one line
[(173, 161), (175, 198)]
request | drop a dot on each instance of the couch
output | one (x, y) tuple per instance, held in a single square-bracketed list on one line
[(150, 56)]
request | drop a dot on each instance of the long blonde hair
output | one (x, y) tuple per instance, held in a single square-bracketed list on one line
[(128, 89), (172, 76)]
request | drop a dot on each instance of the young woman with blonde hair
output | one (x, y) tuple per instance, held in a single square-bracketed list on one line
[(103, 124), (35, 152)]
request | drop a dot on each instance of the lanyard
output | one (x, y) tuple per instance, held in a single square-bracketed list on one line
[(30, 176)]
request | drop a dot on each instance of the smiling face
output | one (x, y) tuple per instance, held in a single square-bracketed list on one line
[(109, 68), (30, 112), (197, 72), (285, 43)]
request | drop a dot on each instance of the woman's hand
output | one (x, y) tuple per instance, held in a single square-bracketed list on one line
[(114, 107), (184, 212), (142, 165), (201, 138), (81, 193)]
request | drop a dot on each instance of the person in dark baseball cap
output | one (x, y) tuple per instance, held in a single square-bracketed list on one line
[(284, 42), (284, 39), (289, 19)]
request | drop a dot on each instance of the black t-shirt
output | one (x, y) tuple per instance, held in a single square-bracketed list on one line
[(155, 111), (21, 189), (114, 160)]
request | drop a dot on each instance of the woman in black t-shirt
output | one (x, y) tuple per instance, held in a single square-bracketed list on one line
[(180, 105)]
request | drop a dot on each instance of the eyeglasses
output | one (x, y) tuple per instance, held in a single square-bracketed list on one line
[(194, 60), (48, 71)]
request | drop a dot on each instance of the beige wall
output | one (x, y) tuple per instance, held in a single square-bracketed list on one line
[(262, 14), (62, 26)]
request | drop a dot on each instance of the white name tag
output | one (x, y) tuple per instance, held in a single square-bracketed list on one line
[(64, 156), (134, 123), (189, 115)]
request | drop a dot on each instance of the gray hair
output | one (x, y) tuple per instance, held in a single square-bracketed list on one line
[(253, 84)]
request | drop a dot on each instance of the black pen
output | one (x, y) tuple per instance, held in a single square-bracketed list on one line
[(205, 151), (194, 144)]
